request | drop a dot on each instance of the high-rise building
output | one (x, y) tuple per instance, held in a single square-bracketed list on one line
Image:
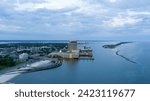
[(72, 46)]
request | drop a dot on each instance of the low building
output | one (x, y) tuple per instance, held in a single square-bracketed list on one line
[(86, 52), (66, 55), (23, 57)]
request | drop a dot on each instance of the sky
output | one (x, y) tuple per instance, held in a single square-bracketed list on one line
[(74, 19)]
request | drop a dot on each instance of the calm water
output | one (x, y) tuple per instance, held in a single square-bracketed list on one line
[(107, 68)]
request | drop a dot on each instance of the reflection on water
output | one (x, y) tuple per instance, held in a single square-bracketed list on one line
[(71, 61), (106, 68)]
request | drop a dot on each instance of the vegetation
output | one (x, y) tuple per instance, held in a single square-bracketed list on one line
[(6, 62), (16, 45)]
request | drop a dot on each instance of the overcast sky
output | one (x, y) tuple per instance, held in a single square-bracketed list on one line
[(74, 19)]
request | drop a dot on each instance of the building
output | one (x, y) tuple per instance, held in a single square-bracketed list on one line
[(86, 52), (72, 46), (72, 53), (66, 55), (23, 57)]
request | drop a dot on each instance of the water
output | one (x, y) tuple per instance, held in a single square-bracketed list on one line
[(107, 68)]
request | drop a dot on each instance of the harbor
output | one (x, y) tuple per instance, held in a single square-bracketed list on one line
[(33, 59), (72, 52), (105, 66)]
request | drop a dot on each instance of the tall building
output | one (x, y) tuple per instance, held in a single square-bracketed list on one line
[(72, 46)]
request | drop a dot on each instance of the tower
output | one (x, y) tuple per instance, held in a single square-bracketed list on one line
[(72, 46)]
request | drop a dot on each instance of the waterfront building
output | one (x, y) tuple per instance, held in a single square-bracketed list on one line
[(86, 52), (66, 55), (72, 46), (72, 53)]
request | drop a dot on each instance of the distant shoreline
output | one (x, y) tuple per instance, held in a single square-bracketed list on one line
[(112, 46)]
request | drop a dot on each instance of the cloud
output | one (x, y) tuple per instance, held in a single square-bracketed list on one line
[(122, 21), (10, 28), (137, 13), (79, 6), (127, 18), (113, 1), (91, 9), (46, 4), (70, 18)]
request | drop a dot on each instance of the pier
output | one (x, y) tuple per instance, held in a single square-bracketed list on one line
[(87, 52)]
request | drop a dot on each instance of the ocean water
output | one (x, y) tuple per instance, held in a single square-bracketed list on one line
[(125, 64)]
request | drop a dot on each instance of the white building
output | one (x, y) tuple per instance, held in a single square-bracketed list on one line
[(23, 57)]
